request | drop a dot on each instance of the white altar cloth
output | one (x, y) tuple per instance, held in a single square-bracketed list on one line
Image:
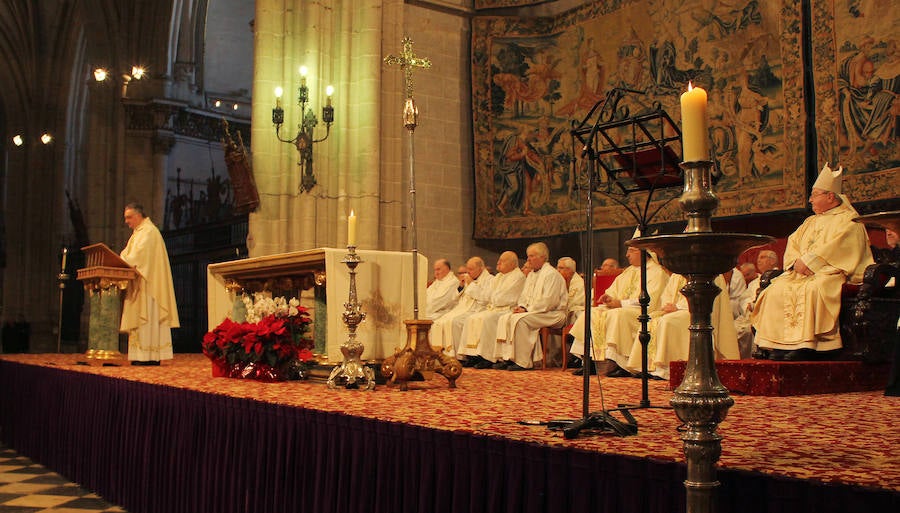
[(383, 285)]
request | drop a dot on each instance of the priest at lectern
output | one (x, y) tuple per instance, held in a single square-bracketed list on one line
[(149, 312)]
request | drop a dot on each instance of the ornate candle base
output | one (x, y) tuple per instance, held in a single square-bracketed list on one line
[(701, 402), (351, 373), (418, 357)]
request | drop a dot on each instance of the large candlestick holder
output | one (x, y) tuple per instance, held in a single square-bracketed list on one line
[(700, 402), (351, 373)]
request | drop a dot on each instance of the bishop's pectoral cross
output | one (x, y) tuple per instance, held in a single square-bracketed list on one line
[(407, 61)]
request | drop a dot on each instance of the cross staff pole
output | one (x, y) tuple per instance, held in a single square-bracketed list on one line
[(407, 61)]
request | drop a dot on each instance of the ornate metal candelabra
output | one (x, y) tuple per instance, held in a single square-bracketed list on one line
[(304, 139), (351, 373), (701, 402)]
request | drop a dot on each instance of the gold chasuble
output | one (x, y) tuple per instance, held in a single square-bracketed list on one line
[(797, 311)]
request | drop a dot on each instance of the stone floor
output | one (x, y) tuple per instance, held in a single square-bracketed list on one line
[(26, 487)]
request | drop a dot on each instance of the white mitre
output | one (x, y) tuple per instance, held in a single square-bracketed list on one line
[(829, 180), (651, 254)]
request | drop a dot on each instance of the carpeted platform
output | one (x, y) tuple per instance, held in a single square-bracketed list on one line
[(770, 378), (827, 442)]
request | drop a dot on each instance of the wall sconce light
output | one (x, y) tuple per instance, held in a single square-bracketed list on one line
[(304, 139), (19, 140), (137, 73)]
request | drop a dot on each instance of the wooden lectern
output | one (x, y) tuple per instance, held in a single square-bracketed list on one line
[(105, 276)]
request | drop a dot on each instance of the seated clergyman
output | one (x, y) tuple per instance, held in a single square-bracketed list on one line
[(614, 322), (442, 294), (796, 316), (542, 303)]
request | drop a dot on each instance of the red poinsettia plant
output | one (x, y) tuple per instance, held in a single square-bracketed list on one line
[(278, 340)]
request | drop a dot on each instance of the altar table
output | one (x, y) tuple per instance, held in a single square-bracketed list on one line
[(383, 282)]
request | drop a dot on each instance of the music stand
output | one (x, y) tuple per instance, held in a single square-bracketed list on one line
[(638, 156)]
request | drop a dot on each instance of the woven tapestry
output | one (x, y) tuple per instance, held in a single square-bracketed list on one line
[(857, 77), (533, 77)]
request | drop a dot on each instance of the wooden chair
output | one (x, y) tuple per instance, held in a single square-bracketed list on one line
[(545, 334)]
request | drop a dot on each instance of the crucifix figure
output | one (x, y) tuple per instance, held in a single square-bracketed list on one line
[(407, 61)]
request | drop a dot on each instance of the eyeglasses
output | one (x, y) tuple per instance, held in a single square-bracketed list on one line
[(816, 193)]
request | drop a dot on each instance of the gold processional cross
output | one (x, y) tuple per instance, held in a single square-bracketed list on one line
[(407, 61), (417, 357)]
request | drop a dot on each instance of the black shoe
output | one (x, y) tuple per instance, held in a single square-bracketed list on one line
[(484, 364), (777, 355), (500, 365), (580, 372), (516, 367), (573, 362), (761, 353), (145, 363), (828, 356), (468, 362), (801, 355), (618, 372)]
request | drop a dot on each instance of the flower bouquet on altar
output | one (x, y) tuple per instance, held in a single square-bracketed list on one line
[(272, 343)]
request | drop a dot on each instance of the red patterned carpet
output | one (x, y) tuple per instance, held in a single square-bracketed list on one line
[(840, 438)]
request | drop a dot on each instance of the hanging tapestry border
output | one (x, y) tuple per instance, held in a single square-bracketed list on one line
[(856, 68)]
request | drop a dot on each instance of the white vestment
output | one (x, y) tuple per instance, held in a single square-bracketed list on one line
[(479, 334), (613, 329), (742, 321), (544, 299), (149, 311), (669, 334), (445, 332), (801, 312), (736, 289), (441, 296), (575, 298)]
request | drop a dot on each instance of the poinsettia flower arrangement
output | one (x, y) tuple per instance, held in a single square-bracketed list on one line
[(273, 339)]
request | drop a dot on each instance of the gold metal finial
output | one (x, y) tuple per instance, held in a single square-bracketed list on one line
[(407, 61)]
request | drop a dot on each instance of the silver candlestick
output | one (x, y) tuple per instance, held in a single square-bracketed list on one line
[(351, 373), (701, 402)]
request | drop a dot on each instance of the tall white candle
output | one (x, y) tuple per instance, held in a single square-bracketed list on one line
[(351, 229), (694, 125)]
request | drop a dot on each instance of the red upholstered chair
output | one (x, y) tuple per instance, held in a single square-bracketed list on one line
[(602, 281)]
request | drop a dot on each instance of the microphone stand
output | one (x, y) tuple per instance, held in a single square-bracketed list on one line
[(601, 420)]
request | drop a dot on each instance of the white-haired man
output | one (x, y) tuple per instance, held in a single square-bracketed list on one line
[(478, 340), (796, 316), (575, 287), (541, 304)]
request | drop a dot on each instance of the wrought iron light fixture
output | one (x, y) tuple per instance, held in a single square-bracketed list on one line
[(304, 139)]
